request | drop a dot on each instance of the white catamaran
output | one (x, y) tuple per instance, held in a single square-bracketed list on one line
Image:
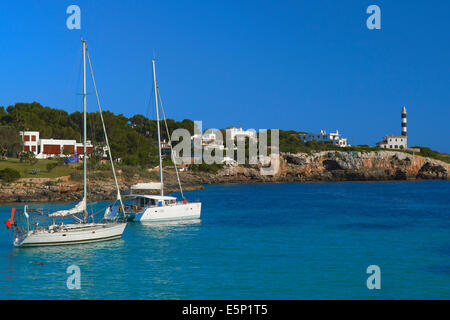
[(42, 230), (155, 207)]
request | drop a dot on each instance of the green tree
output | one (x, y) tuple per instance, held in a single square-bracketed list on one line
[(3, 115), (66, 152), (9, 175), (28, 156), (10, 141), (50, 166)]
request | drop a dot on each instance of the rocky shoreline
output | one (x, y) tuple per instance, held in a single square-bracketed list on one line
[(323, 166)]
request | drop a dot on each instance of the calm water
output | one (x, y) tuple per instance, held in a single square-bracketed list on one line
[(290, 241)]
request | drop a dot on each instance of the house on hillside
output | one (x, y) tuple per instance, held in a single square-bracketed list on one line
[(335, 138), (47, 148)]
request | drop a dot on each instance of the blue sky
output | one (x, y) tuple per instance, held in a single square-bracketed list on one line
[(301, 65)]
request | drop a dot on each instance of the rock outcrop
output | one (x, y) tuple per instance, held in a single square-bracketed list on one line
[(301, 167), (375, 165)]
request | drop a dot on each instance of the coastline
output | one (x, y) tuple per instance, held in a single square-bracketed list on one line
[(320, 167)]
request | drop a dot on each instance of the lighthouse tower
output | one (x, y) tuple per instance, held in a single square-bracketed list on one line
[(404, 121)]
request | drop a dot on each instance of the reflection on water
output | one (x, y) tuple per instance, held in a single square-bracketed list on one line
[(166, 229), (85, 250), (174, 223)]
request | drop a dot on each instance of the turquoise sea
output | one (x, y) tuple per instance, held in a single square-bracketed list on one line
[(285, 241)]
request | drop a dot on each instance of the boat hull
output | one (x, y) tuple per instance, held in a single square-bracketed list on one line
[(179, 211), (85, 234)]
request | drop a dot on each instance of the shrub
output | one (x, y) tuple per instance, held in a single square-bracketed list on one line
[(27, 156), (203, 167), (427, 152), (51, 166), (76, 176), (131, 160), (9, 175), (100, 176), (130, 171), (152, 175), (103, 167)]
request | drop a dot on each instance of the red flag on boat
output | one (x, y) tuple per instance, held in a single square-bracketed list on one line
[(10, 221)]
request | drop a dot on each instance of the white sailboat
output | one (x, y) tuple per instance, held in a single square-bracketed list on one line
[(156, 208), (30, 233)]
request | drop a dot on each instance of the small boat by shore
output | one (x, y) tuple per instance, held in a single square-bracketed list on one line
[(155, 208), (36, 228), (160, 207), (26, 235)]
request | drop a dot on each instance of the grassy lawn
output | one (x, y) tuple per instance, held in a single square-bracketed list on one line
[(25, 168)]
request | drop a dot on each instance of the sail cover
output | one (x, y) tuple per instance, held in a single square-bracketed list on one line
[(147, 186), (80, 207)]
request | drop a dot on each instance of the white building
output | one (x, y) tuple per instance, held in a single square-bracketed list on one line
[(238, 134), (46, 148), (165, 147), (393, 142), (396, 141), (209, 139), (335, 138), (30, 141)]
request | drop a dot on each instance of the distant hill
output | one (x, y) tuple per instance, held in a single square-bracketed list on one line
[(134, 139)]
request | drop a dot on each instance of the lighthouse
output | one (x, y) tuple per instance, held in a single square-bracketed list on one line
[(396, 141), (404, 121)]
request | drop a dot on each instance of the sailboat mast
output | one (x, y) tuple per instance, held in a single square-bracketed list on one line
[(84, 126), (157, 125)]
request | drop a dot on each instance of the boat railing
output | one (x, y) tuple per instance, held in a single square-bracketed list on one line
[(37, 219), (137, 209)]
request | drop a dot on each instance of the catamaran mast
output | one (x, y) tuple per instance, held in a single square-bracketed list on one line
[(84, 128), (119, 197), (159, 134)]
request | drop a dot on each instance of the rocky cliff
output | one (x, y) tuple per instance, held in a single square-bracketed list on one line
[(342, 166), (375, 165), (320, 166)]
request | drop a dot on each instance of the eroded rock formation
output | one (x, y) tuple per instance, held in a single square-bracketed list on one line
[(302, 167)]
